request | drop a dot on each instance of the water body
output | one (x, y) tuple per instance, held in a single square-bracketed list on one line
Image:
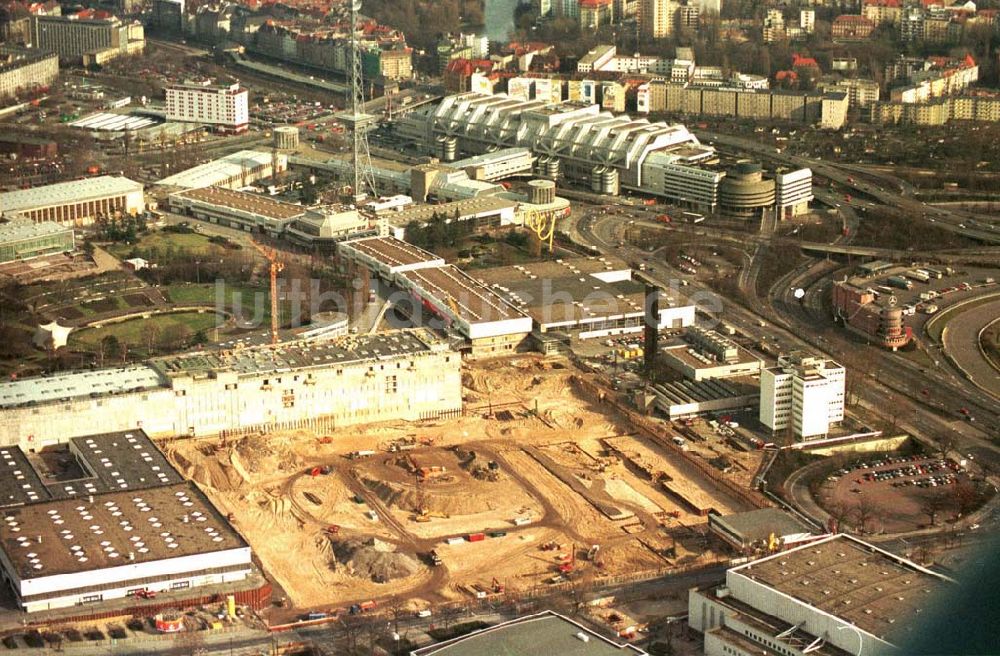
[(499, 17)]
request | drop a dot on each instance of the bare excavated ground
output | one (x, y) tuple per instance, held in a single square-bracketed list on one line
[(531, 462)]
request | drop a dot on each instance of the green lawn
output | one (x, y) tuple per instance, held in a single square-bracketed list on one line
[(133, 331), (250, 299), (189, 241)]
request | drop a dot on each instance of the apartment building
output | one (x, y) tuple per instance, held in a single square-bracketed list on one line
[(223, 105), (22, 69), (804, 394), (88, 36), (658, 18), (595, 13)]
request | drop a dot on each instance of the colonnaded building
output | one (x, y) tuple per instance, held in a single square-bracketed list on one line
[(408, 374)]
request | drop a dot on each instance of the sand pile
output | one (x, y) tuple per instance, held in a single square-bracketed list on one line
[(373, 559), (411, 500), (267, 454)]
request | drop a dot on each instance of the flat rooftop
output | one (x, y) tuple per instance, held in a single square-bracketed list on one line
[(465, 207), (19, 482), (123, 460), (67, 192), (45, 389), (681, 350), (571, 290), (475, 302), (116, 529), (110, 462), (391, 251), (544, 633), (297, 355), (759, 524), (22, 230), (850, 579), (218, 171), (244, 201)]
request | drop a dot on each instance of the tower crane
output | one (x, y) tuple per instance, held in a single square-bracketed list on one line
[(275, 268)]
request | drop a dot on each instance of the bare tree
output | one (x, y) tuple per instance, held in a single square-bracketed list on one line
[(933, 505), (946, 444), (865, 510)]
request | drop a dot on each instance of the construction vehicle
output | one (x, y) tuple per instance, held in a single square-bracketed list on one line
[(145, 593), (434, 558), (568, 561), (592, 553), (549, 546), (326, 439), (427, 515), (332, 529), (498, 587), (274, 267)]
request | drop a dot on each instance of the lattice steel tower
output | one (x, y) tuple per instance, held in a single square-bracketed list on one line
[(356, 120)]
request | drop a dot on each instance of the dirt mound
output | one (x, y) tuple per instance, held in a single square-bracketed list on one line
[(481, 468), (267, 454), (412, 500), (373, 559)]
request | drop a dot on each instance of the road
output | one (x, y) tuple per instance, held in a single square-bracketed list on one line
[(961, 340)]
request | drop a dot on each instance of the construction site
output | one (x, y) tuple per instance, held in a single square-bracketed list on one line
[(535, 484)]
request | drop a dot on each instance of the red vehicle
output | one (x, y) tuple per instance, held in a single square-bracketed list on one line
[(846, 231), (847, 197), (663, 218), (145, 593), (332, 529)]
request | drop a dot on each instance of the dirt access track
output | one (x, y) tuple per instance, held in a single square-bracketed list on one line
[(532, 466)]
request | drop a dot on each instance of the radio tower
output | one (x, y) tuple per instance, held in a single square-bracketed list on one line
[(356, 120)]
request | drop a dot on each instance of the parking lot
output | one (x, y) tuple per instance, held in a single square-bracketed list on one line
[(898, 493)]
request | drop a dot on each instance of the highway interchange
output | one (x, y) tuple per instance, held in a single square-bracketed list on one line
[(893, 378)]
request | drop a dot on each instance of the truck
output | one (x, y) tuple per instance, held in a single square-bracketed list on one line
[(900, 282), (917, 274), (930, 308), (354, 455), (363, 607), (434, 557), (663, 218)]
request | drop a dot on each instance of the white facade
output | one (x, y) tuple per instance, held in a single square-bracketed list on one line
[(807, 20), (805, 394), (75, 203), (793, 192), (422, 373), (223, 105)]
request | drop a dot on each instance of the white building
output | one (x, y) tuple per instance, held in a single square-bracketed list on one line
[(803, 393), (400, 375), (226, 106), (232, 171), (830, 597), (76, 203), (793, 192), (807, 20)]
